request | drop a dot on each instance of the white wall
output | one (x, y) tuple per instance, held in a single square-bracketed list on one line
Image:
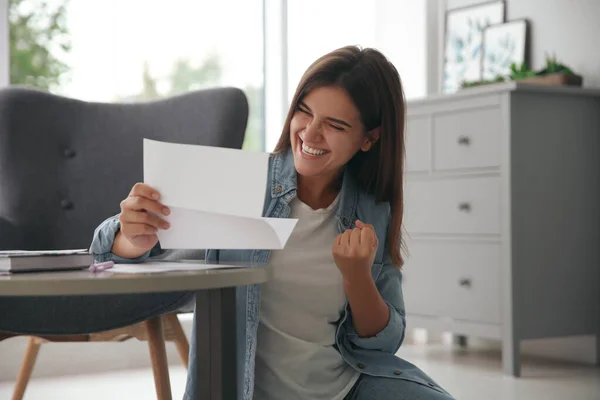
[(568, 28), (4, 51), (312, 34), (434, 36), (395, 27), (401, 34)]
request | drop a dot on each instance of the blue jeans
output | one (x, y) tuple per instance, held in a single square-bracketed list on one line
[(372, 388), (376, 388)]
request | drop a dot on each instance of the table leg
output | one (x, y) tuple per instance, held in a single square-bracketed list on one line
[(216, 363)]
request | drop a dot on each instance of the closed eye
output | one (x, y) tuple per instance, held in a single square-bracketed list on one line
[(337, 124), (304, 110)]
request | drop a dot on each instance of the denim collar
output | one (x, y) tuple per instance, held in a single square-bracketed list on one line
[(284, 180)]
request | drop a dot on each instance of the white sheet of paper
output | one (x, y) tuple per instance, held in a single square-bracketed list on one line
[(216, 197), (161, 267), (192, 229), (212, 179)]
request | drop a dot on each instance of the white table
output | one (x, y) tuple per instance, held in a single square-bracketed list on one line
[(215, 309)]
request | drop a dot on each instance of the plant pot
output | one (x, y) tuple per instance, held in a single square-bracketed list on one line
[(556, 79)]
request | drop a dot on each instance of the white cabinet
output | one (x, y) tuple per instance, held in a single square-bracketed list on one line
[(502, 199)]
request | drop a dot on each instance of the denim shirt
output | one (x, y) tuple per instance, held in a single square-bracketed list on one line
[(370, 355)]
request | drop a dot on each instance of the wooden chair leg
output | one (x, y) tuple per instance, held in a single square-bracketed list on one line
[(181, 341), (33, 348), (158, 355)]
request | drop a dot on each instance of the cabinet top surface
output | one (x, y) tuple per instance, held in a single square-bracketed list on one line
[(499, 88)]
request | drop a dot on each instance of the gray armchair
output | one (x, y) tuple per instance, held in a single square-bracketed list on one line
[(65, 165)]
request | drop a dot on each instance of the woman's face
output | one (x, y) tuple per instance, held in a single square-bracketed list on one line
[(326, 132)]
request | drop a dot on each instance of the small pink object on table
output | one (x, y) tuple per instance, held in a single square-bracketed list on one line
[(102, 266)]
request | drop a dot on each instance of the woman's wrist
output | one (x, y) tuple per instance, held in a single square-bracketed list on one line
[(355, 278), (123, 248)]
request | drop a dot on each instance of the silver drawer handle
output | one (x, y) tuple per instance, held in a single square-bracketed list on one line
[(465, 282), (464, 140), (466, 207)]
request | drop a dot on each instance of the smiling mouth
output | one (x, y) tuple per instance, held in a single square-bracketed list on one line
[(312, 151)]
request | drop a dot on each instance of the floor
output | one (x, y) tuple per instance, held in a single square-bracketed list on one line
[(472, 374)]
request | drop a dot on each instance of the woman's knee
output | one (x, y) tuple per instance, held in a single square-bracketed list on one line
[(371, 388)]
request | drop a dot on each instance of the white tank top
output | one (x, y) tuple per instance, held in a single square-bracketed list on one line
[(301, 303)]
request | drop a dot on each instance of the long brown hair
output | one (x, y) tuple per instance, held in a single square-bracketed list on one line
[(374, 85)]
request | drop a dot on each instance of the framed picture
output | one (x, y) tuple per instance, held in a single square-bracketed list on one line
[(463, 42), (504, 44)]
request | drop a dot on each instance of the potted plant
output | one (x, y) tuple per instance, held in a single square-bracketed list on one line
[(497, 79), (519, 73), (555, 73), (516, 73)]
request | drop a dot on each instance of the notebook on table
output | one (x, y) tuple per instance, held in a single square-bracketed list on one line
[(44, 260)]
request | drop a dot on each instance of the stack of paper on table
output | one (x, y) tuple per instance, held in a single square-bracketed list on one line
[(159, 266), (215, 195)]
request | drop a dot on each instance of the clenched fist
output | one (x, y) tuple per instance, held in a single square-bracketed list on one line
[(354, 251)]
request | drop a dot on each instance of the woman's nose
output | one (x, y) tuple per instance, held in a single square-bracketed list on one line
[(312, 132)]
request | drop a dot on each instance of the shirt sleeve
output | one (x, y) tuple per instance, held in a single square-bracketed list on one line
[(103, 239), (390, 338)]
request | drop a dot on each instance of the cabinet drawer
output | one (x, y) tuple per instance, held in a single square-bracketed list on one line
[(451, 279), (460, 206), (467, 139), (418, 139)]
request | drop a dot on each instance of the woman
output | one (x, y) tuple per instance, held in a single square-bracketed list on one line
[(332, 317)]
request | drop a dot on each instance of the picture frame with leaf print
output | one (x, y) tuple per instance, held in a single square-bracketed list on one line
[(504, 45), (463, 42)]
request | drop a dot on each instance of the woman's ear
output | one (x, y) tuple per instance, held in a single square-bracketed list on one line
[(372, 137)]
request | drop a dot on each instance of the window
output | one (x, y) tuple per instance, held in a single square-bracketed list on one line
[(139, 50)]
